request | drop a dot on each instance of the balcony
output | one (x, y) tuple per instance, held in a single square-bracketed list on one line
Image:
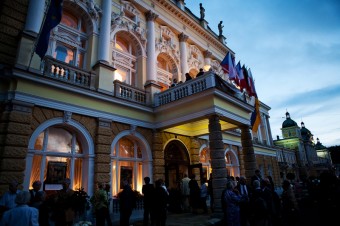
[(195, 86), (67, 73)]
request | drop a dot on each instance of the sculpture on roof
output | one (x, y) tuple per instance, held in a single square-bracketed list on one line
[(220, 28), (202, 12)]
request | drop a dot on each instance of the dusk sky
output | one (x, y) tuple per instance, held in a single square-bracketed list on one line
[(293, 50)]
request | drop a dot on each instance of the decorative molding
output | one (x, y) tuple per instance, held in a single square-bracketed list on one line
[(150, 16), (183, 37), (67, 116)]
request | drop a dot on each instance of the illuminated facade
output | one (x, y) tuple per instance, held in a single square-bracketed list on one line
[(99, 108), (299, 154)]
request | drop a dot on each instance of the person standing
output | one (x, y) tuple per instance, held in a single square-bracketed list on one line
[(211, 194), (256, 176), (148, 191), (109, 200), (200, 73), (127, 203), (160, 204), (290, 209), (174, 82), (37, 201), (244, 190), (22, 214), (204, 195), (195, 194), (232, 199), (187, 77), (100, 204), (185, 192), (7, 201), (64, 213)]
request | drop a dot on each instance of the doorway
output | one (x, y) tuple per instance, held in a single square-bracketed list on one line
[(176, 163)]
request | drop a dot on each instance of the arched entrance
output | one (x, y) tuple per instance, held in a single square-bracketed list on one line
[(177, 162)]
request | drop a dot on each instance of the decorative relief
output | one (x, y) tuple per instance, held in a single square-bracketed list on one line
[(93, 9), (118, 20), (165, 44), (67, 116)]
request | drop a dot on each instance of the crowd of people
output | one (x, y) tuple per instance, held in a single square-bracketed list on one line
[(187, 78), (244, 204)]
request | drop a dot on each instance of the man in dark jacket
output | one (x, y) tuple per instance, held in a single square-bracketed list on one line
[(127, 202), (148, 191)]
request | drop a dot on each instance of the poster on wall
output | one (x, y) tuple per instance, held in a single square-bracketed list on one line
[(125, 174), (56, 172)]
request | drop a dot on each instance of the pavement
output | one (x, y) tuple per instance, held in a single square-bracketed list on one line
[(173, 219)]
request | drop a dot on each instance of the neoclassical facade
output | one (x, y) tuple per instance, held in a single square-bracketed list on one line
[(99, 107)]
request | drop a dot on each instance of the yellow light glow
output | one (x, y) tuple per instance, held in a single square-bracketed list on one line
[(206, 67), (117, 76)]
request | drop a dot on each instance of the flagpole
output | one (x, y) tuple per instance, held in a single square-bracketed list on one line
[(38, 36)]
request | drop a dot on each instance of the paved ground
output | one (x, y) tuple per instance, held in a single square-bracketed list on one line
[(309, 216)]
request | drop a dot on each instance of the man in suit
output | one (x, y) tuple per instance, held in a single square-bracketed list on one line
[(200, 73), (257, 176), (148, 191)]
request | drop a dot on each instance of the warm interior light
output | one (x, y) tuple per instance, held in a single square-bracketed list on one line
[(117, 76), (206, 67)]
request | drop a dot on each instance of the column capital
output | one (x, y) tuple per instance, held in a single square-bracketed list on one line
[(207, 54), (183, 37), (151, 16)]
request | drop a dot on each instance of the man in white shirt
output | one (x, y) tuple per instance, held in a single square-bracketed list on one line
[(185, 192), (22, 214), (7, 201)]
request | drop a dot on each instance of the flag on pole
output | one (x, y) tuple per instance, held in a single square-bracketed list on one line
[(252, 90), (255, 118), (52, 19), (227, 63)]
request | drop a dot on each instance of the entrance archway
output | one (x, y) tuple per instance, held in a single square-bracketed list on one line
[(177, 162)]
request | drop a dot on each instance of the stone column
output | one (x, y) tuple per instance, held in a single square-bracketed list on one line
[(151, 48), (35, 14), (219, 172), (207, 60), (15, 130), (104, 33), (184, 54), (158, 156), (102, 151), (248, 152)]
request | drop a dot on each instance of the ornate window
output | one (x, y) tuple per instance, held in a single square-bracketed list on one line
[(126, 164), (70, 40), (57, 155), (125, 61)]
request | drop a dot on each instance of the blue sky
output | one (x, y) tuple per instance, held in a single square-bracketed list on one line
[(293, 50)]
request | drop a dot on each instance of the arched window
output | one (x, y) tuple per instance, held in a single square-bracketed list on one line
[(71, 40), (57, 155), (205, 160), (127, 163)]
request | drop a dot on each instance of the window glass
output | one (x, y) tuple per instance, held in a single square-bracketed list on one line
[(39, 142), (69, 20), (59, 140), (126, 148)]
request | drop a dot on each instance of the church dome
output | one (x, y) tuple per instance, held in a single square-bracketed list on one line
[(288, 122)]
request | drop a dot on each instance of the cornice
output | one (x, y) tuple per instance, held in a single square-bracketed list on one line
[(191, 22)]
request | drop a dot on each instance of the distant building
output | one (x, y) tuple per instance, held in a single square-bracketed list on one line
[(299, 154)]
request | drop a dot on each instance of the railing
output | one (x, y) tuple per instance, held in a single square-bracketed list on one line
[(209, 80), (127, 92), (59, 70), (185, 89)]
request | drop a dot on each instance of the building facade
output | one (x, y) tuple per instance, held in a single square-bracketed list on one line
[(299, 155), (99, 107)]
